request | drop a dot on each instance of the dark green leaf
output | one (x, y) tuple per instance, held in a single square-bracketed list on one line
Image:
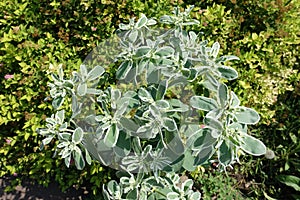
[(290, 180)]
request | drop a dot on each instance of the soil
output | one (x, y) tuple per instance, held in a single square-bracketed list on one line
[(31, 191)]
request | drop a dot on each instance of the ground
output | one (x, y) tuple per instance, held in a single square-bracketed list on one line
[(31, 191)]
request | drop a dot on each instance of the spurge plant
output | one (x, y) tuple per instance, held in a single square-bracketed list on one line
[(167, 109)]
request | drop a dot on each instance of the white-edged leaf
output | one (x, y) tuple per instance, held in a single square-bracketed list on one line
[(161, 90), (79, 161), (215, 50), (234, 101), (228, 72), (77, 135), (112, 135), (222, 95), (88, 157), (144, 95), (141, 22), (96, 72), (203, 103), (124, 69), (252, 145), (47, 140), (82, 89), (83, 70), (246, 115)]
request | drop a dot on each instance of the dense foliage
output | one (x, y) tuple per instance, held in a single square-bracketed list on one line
[(263, 34)]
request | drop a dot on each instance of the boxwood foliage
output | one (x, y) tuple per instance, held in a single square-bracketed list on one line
[(263, 34)]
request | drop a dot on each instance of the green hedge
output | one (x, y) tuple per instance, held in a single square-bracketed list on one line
[(33, 34)]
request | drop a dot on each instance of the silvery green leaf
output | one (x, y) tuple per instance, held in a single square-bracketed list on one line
[(115, 96), (227, 58), (64, 136), (246, 115), (63, 144), (74, 104), (121, 110), (204, 155), (133, 35), (142, 51), (82, 89), (83, 71), (195, 196), (144, 128), (47, 140), (215, 50), (123, 145), (93, 91), (66, 152), (77, 135), (161, 90), (113, 187), (79, 161), (190, 22), (173, 196), (57, 102), (215, 113), (60, 116), (227, 72), (155, 111), (112, 135), (225, 154), (141, 22), (129, 160), (124, 26), (252, 145), (129, 124), (124, 69), (88, 157), (166, 19), (165, 51), (187, 185), (144, 95), (223, 95), (210, 82), (162, 104), (151, 22), (188, 161), (238, 127), (203, 103), (67, 161), (234, 101), (55, 79), (203, 141), (178, 106), (132, 195), (68, 84), (169, 124), (61, 72), (96, 72), (153, 76)]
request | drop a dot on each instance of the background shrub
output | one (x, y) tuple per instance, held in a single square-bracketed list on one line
[(264, 34)]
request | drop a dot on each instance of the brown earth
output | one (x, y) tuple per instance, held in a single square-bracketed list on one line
[(30, 191)]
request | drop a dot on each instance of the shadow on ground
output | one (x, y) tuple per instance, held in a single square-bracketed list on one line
[(31, 191)]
